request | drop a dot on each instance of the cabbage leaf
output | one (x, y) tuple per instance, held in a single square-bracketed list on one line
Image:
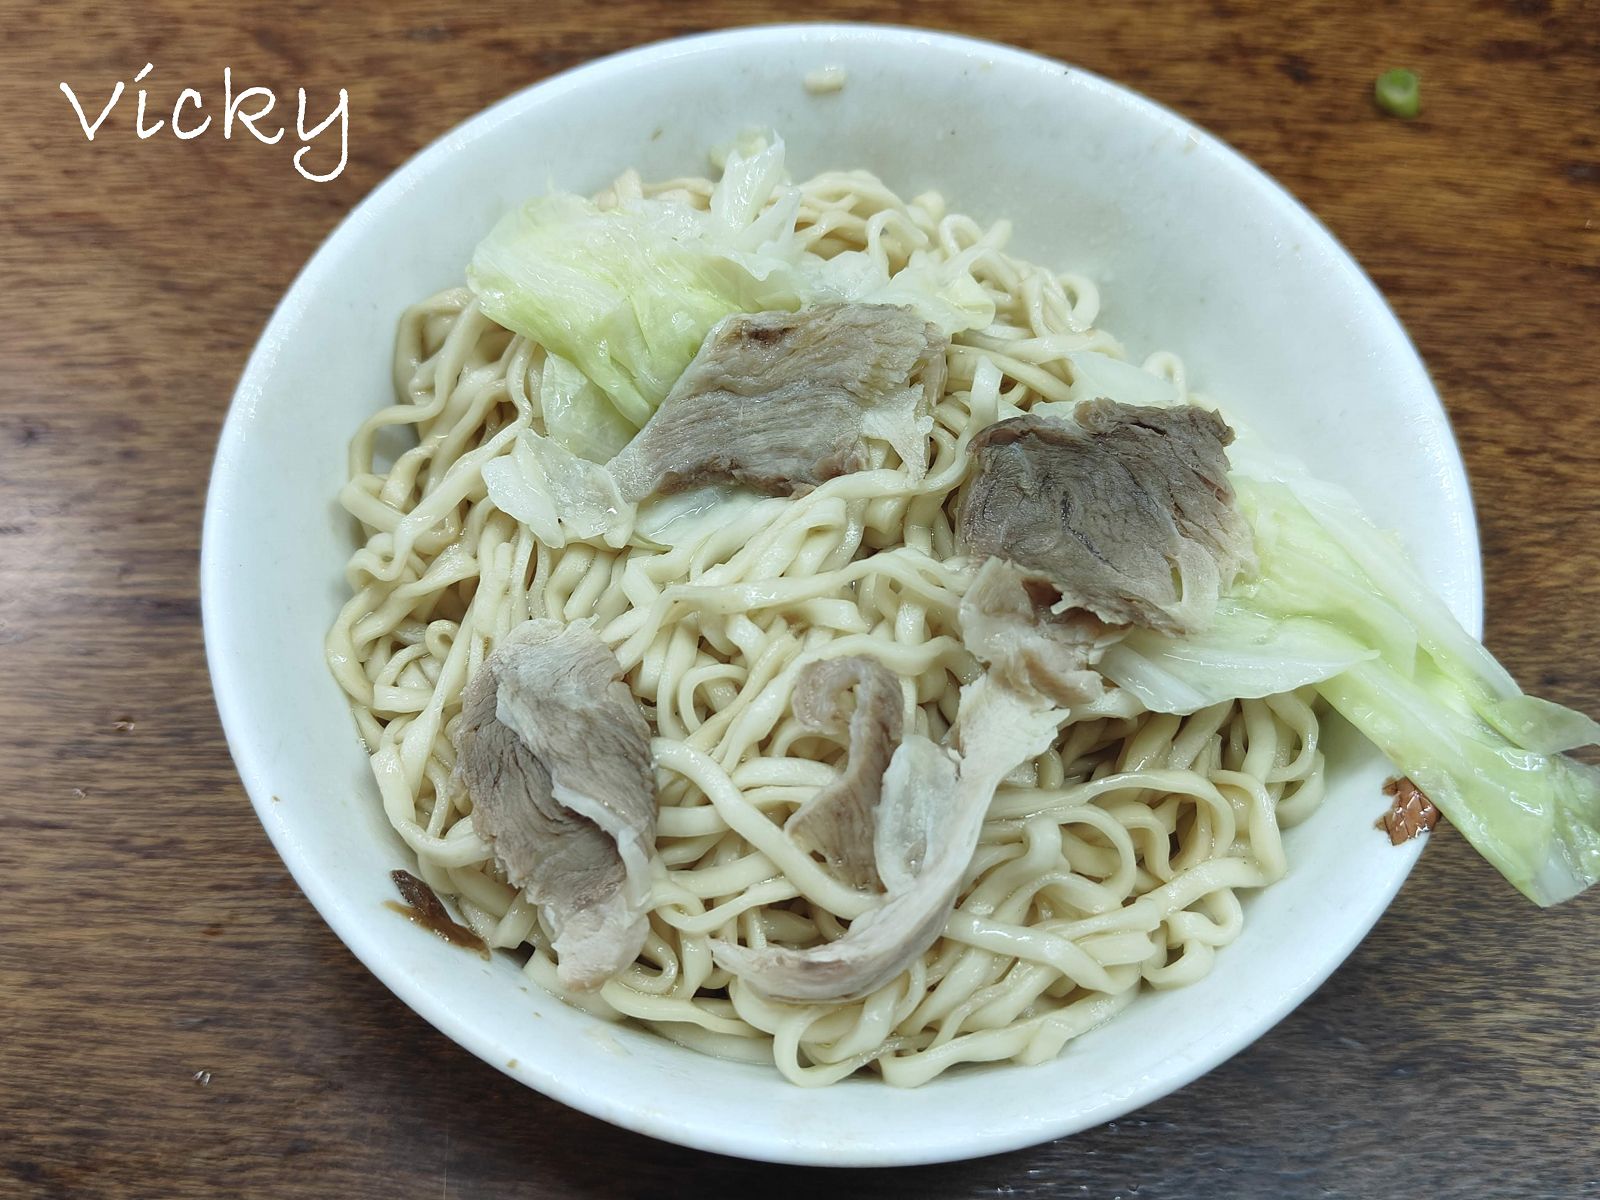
[(1336, 603), (625, 295)]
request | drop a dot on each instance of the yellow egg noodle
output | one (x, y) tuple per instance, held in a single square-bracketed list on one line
[(1114, 860)]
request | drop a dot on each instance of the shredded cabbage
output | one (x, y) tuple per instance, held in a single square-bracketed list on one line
[(689, 517), (577, 415), (622, 298), (626, 295), (557, 495), (1436, 702), (1336, 603), (611, 291), (1242, 654)]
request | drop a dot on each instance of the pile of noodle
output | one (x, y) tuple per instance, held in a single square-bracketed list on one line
[(1113, 861)]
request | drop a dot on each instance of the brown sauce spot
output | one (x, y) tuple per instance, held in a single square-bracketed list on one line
[(423, 908), (765, 335), (1412, 813)]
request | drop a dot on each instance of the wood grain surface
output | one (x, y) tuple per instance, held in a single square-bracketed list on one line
[(175, 1020)]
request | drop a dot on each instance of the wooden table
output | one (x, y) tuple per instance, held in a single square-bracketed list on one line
[(174, 1018)]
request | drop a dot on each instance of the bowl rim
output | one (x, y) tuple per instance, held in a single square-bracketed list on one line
[(351, 926)]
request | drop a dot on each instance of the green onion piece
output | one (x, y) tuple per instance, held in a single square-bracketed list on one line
[(1398, 93)]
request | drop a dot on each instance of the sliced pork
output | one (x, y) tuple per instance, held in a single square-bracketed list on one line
[(781, 402), (554, 751), (1125, 514), (931, 815), (839, 821), (1121, 518), (1006, 620)]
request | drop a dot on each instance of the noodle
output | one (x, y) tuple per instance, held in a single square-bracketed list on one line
[(1112, 861)]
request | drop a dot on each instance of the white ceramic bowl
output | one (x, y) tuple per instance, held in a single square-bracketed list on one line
[(1197, 251)]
